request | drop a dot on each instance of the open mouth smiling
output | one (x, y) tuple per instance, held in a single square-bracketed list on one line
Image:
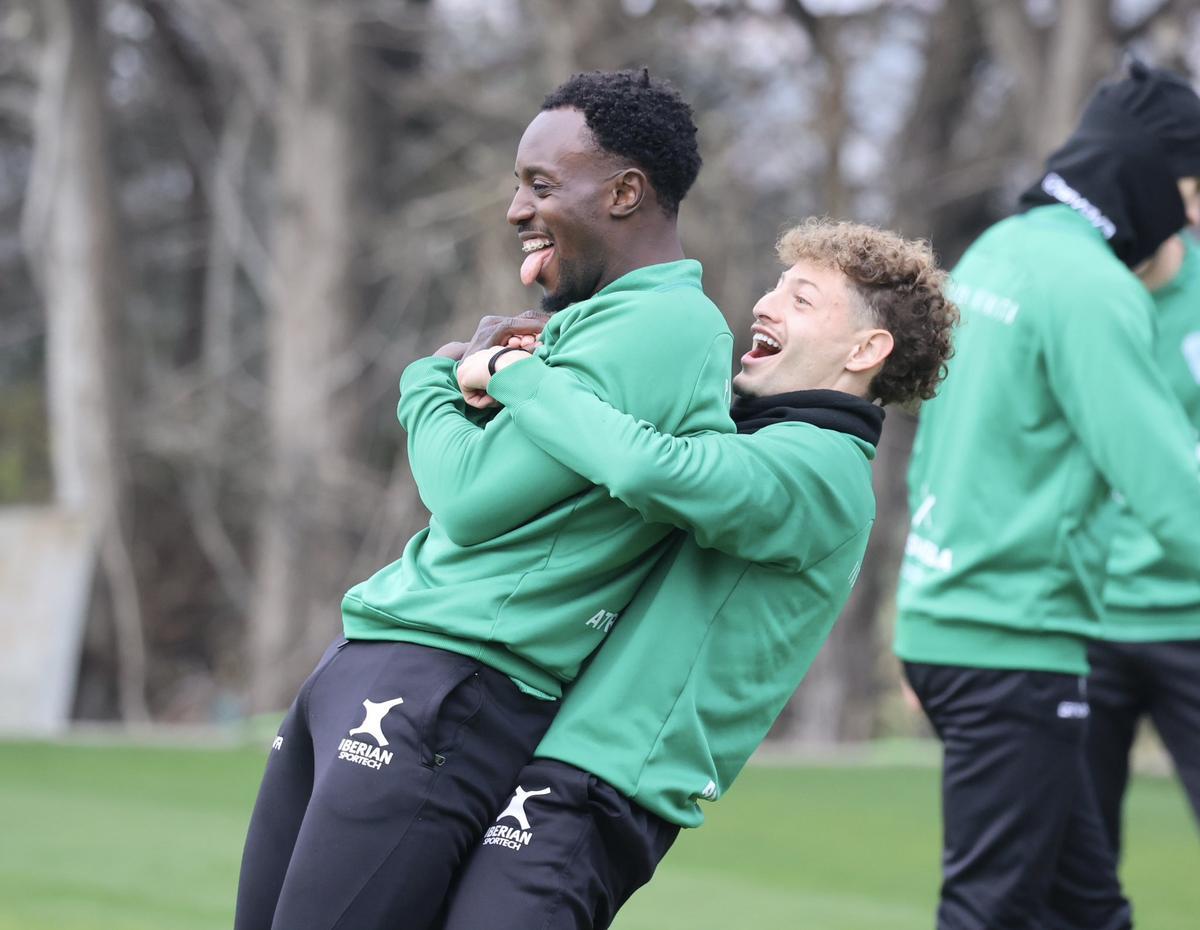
[(764, 346)]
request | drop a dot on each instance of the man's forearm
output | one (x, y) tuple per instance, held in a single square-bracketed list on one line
[(720, 487), (479, 481)]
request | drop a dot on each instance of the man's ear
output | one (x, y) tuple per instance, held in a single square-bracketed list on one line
[(871, 350), (628, 191)]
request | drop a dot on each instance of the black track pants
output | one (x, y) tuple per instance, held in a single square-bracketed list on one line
[(1129, 681), (564, 854), (1023, 848), (387, 769)]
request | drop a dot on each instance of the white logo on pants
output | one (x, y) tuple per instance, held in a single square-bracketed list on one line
[(372, 724), (1072, 710), (516, 807), (364, 754), (517, 837)]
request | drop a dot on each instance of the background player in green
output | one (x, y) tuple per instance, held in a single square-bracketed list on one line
[(718, 638), (1053, 400), (1146, 661), (405, 740)]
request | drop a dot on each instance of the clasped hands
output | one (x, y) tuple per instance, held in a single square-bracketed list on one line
[(493, 332)]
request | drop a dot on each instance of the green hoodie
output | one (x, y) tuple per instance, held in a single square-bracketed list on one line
[(524, 563), (1053, 400), (1146, 598), (716, 640)]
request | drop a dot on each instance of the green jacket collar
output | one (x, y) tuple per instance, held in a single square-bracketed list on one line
[(686, 272)]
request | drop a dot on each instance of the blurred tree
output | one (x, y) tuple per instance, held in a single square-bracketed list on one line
[(70, 232), (314, 303)]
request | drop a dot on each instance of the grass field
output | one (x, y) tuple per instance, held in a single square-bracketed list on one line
[(134, 838)]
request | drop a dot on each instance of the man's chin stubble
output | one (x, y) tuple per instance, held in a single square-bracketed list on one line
[(552, 303)]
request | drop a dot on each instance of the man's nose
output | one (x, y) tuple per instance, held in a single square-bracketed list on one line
[(521, 209), (763, 310)]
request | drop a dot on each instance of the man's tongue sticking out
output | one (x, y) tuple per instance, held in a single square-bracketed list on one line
[(532, 267)]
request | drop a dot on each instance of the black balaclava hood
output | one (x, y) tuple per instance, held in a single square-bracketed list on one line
[(1120, 168)]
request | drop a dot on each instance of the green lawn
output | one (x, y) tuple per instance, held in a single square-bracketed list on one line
[(857, 849), (125, 838)]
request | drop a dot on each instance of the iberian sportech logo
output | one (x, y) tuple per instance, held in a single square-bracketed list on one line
[(360, 753), (500, 834)]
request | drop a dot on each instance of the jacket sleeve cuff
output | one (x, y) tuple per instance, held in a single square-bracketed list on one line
[(434, 368), (517, 384)]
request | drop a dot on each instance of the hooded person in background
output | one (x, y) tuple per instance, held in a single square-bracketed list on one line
[(1053, 402), (1146, 661)]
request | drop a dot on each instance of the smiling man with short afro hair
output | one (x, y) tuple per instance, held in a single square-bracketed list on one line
[(640, 118)]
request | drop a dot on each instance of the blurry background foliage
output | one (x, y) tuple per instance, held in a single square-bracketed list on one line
[(227, 225)]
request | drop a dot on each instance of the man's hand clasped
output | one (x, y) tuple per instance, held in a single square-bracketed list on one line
[(497, 331), (494, 333)]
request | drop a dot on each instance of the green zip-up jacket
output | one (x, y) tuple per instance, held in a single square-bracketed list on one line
[(1053, 400), (1146, 598), (524, 560), (716, 640)]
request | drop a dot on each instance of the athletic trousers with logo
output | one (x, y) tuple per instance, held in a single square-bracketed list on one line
[(390, 764), (1130, 681), (1022, 848), (565, 854)]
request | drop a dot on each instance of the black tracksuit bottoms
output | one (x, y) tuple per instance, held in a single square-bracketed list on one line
[(388, 768), (1134, 680), (1023, 848), (565, 853)]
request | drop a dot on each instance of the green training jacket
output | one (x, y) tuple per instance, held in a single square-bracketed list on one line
[(524, 562), (716, 640), (1147, 598), (1052, 401)]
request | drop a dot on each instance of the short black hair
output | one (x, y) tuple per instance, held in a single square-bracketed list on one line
[(640, 118)]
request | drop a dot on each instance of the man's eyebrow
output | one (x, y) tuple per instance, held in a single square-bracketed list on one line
[(797, 281), (532, 169)]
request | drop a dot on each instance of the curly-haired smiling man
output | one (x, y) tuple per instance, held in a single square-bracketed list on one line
[(718, 637)]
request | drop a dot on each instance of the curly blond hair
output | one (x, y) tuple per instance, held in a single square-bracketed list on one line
[(902, 290)]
